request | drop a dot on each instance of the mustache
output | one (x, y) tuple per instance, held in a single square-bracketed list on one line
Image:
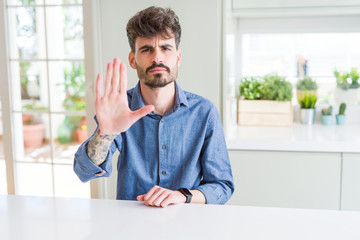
[(155, 65)]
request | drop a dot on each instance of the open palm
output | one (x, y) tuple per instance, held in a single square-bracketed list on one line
[(112, 110)]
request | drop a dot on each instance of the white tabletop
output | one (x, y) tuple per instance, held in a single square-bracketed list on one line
[(298, 137), (61, 218)]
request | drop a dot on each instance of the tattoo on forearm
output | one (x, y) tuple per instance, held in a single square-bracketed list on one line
[(98, 147)]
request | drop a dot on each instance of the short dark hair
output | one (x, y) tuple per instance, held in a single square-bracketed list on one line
[(151, 22)]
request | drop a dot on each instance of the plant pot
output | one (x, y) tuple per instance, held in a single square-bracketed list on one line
[(349, 96), (34, 135), (264, 113), (307, 116), (81, 135), (340, 119), (327, 120)]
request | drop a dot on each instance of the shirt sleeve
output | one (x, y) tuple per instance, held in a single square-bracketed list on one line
[(217, 184), (86, 169)]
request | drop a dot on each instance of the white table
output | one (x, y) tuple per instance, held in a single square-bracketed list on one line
[(39, 218)]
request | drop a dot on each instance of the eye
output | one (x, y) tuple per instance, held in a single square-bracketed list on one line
[(145, 50)]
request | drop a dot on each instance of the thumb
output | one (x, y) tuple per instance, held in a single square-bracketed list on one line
[(143, 111), (140, 198)]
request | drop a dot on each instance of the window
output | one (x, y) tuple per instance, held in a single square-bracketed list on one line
[(47, 98), (275, 44), (281, 53)]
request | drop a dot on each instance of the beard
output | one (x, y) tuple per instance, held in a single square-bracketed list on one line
[(157, 80)]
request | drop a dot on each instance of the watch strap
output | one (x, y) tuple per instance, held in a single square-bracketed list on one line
[(187, 194)]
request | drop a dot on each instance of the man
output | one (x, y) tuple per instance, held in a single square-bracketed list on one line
[(171, 143)]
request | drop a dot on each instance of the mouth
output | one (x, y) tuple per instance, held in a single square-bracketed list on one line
[(158, 69)]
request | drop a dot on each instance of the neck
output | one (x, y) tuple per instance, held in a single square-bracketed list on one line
[(163, 99)]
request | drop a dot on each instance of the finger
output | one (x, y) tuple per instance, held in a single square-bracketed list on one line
[(100, 174), (151, 200), (166, 201), (98, 87), (123, 79), (140, 198), (157, 202), (142, 112), (109, 73), (116, 75), (150, 193)]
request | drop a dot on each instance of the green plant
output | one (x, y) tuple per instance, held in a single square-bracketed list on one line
[(306, 83), (342, 79), (342, 109), (307, 101), (251, 88), (354, 75), (276, 88), (327, 111), (74, 86)]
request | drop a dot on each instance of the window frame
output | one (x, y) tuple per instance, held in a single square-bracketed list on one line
[(6, 98)]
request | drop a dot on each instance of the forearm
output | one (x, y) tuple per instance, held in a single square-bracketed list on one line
[(197, 197), (98, 147)]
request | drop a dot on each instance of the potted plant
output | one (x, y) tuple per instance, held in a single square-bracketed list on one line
[(33, 127), (326, 116), (74, 87), (265, 101), (340, 117), (306, 85), (347, 87), (307, 108), (81, 132)]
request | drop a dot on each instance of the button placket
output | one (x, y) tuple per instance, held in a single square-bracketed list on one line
[(162, 153)]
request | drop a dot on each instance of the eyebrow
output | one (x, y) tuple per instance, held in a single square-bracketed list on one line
[(151, 46)]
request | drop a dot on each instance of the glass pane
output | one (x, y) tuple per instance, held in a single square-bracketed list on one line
[(66, 40), (318, 54), (26, 32), (34, 179), (67, 184), (34, 136), (24, 2), (323, 52), (69, 132), (67, 90), (59, 2), (29, 84)]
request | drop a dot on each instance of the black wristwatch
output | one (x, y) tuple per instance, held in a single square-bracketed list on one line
[(187, 194)]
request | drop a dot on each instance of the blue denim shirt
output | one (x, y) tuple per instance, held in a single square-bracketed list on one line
[(184, 148)]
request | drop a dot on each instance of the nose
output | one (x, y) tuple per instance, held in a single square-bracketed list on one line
[(157, 56)]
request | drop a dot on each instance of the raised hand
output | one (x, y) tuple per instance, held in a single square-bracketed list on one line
[(112, 110)]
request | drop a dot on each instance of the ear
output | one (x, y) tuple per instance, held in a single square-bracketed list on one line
[(132, 60), (178, 57)]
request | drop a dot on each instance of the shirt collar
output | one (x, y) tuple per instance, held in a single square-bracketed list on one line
[(137, 101)]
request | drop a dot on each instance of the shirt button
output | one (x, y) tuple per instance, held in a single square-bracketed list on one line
[(162, 120), (163, 172), (163, 147)]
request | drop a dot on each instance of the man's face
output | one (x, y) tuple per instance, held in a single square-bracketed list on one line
[(156, 60)]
